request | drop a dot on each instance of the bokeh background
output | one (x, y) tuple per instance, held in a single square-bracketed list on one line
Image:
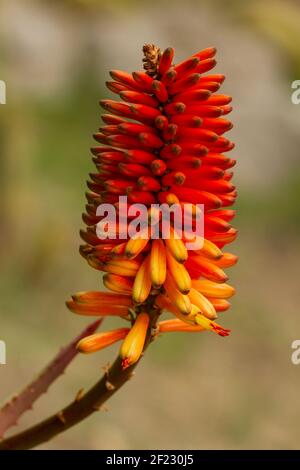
[(190, 391)]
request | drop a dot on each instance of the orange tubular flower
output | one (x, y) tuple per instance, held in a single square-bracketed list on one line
[(133, 344), (99, 341), (162, 143)]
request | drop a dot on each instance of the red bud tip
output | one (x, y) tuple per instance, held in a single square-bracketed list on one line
[(219, 330), (166, 60), (125, 363)]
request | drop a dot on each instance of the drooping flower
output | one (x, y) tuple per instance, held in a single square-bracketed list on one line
[(133, 344), (164, 143), (99, 341)]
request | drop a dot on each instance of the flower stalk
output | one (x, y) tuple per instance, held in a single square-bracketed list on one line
[(84, 404), (19, 404)]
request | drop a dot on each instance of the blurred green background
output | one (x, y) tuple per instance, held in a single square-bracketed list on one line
[(190, 391)]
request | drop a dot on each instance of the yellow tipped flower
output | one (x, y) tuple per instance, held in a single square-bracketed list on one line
[(227, 260), (181, 301), (210, 250), (117, 283), (102, 298), (213, 289), (205, 306), (179, 274), (122, 267), (165, 304), (97, 309), (174, 325), (99, 341), (157, 266), (133, 344), (142, 283), (220, 305), (189, 318), (135, 245), (176, 247)]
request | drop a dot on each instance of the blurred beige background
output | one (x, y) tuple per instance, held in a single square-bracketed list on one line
[(190, 391)]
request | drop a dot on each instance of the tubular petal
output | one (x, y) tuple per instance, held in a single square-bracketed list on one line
[(99, 341), (133, 344)]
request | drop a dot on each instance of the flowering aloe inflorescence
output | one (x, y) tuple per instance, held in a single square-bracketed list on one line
[(163, 143)]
